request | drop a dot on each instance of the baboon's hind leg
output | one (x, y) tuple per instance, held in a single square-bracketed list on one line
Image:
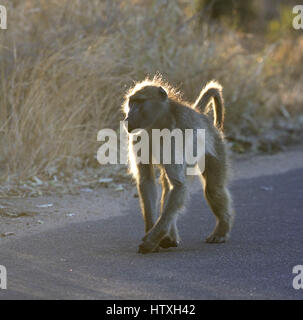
[(218, 197)]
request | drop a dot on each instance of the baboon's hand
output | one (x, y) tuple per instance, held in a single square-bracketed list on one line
[(144, 248), (167, 242)]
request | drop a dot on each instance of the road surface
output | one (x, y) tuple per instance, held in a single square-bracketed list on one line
[(99, 259)]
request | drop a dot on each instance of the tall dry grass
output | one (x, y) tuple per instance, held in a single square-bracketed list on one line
[(65, 65)]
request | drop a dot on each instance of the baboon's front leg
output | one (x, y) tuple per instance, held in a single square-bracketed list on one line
[(147, 190), (172, 239), (176, 199), (165, 190)]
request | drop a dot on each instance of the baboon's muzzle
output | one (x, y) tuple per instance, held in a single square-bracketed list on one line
[(127, 126)]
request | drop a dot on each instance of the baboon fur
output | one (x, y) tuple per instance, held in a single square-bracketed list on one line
[(154, 104)]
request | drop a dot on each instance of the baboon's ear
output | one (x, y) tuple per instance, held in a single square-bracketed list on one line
[(162, 93)]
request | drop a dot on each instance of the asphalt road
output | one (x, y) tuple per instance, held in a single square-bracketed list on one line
[(98, 260)]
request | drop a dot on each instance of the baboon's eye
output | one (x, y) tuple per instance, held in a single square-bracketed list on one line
[(137, 100), (136, 103)]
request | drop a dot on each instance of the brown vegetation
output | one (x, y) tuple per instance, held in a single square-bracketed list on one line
[(65, 66)]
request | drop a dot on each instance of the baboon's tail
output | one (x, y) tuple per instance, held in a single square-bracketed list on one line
[(213, 90)]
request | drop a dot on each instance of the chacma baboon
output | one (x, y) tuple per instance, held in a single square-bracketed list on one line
[(154, 104)]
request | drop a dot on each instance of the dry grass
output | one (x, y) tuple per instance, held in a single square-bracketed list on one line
[(66, 64)]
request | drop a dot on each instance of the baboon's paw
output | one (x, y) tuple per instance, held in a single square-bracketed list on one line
[(148, 247), (167, 242), (213, 238)]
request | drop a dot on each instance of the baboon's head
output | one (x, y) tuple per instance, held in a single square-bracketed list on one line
[(146, 108)]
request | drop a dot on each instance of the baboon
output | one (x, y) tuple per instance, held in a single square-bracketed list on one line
[(154, 104)]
